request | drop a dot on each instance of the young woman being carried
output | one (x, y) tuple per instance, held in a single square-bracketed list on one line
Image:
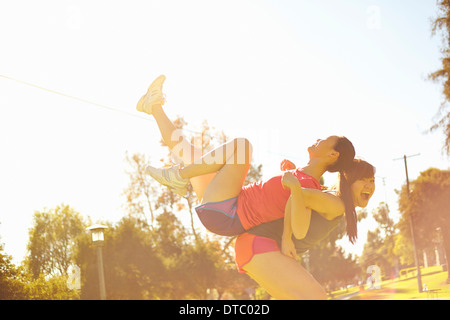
[(226, 206)]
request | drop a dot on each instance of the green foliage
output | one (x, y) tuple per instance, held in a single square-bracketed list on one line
[(51, 241), (345, 268), (131, 265), (403, 249), (148, 254), (151, 254), (428, 206), (144, 263), (442, 23), (50, 288), (380, 245), (390, 246), (16, 283), (327, 253), (11, 286)]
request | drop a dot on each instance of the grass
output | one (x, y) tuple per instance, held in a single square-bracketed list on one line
[(405, 288)]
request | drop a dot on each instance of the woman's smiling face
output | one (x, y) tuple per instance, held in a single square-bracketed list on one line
[(362, 191)]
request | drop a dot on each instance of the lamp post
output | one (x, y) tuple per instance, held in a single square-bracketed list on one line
[(98, 240)]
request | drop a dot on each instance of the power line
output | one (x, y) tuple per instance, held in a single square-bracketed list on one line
[(94, 103), (100, 105), (74, 97), (115, 109)]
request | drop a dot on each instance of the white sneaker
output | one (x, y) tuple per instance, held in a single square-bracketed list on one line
[(169, 177), (181, 192), (153, 96)]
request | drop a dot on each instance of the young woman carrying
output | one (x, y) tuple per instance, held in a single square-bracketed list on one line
[(267, 252), (228, 208)]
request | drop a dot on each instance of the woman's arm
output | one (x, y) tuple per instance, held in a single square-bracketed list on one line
[(287, 245), (326, 204), (300, 216), (329, 205)]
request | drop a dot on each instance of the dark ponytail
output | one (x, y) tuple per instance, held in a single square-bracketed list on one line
[(350, 212), (342, 165), (346, 155)]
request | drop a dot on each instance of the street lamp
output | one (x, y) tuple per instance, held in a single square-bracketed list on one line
[(98, 240)]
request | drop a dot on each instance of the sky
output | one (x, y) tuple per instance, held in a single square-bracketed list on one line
[(281, 73)]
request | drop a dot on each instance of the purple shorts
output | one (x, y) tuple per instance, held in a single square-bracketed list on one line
[(221, 217)]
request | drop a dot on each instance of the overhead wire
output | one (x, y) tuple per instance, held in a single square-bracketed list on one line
[(109, 108)]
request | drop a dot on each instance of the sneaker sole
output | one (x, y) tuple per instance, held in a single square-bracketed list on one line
[(140, 105), (162, 179), (180, 192)]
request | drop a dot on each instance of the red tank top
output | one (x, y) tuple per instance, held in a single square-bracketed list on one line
[(261, 202)]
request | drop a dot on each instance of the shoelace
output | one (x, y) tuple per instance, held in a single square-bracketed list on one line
[(156, 92)]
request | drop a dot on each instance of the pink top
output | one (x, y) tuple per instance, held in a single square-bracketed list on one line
[(262, 202)]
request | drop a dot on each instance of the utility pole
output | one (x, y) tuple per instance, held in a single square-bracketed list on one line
[(384, 185), (411, 223)]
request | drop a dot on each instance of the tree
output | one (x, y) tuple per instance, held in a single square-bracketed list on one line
[(379, 248), (132, 266), (157, 263), (344, 268), (11, 284), (189, 261), (403, 249), (442, 22), (49, 288), (17, 283), (52, 240), (328, 253), (428, 205), (139, 192)]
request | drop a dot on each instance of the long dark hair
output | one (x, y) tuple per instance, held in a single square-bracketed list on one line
[(343, 164), (359, 169)]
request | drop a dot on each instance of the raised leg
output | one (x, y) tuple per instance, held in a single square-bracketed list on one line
[(230, 162), (182, 148), (219, 174)]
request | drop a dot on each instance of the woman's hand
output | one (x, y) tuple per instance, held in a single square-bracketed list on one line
[(287, 165), (288, 247), (288, 180)]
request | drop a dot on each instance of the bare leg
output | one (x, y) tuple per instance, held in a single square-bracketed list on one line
[(220, 174), (182, 148), (283, 277), (231, 161)]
